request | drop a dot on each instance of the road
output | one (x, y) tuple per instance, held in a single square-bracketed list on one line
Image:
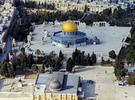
[(8, 49)]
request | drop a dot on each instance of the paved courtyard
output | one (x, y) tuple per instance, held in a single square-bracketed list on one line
[(105, 86), (111, 38)]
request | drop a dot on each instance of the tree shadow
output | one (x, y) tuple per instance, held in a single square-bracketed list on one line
[(67, 87), (82, 69)]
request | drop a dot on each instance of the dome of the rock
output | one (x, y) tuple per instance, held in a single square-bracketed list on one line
[(69, 26), (69, 36)]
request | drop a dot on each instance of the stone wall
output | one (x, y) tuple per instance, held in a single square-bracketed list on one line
[(56, 96)]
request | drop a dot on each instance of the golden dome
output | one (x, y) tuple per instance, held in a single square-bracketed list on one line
[(69, 26)]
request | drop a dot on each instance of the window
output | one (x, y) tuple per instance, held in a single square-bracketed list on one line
[(50, 99)]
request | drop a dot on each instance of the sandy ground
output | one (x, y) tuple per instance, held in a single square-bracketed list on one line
[(105, 87), (32, 76)]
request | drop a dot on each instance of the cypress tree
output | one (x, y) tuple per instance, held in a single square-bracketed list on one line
[(57, 66), (61, 56), (93, 58), (70, 65), (89, 62)]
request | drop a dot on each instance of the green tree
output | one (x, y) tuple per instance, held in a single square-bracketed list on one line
[(70, 65), (132, 40), (10, 71), (7, 58), (85, 9), (30, 61), (23, 50), (24, 61), (2, 69), (119, 73), (34, 68), (6, 69), (129, 51), (102, 59), (93, 58), (107, 12), (112, 54), (76, 57), (119, 13), (131, 81), (119, 70), (89, 62), (61, 56), (49, 62), (41, 70), (57, 66)]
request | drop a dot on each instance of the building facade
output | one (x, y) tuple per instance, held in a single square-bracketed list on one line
[(65, 5), (100, 24), (53, 86), (57, 86)]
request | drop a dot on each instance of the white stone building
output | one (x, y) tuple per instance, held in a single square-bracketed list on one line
[(7, 12)]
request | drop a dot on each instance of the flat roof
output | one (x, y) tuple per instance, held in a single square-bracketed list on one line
[(11, 85), (69, 83), (9, 89)]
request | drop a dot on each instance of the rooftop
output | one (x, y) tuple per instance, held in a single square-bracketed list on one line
[(9, 89), (69, 83), (11, 85)]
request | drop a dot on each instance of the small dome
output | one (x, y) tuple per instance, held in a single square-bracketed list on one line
[(55, 85), (69, 26)]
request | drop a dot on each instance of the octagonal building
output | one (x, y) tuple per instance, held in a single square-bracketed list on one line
[(69, 36)]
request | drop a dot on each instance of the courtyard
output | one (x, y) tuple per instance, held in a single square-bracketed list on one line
[(105, 86), (111, 38)]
